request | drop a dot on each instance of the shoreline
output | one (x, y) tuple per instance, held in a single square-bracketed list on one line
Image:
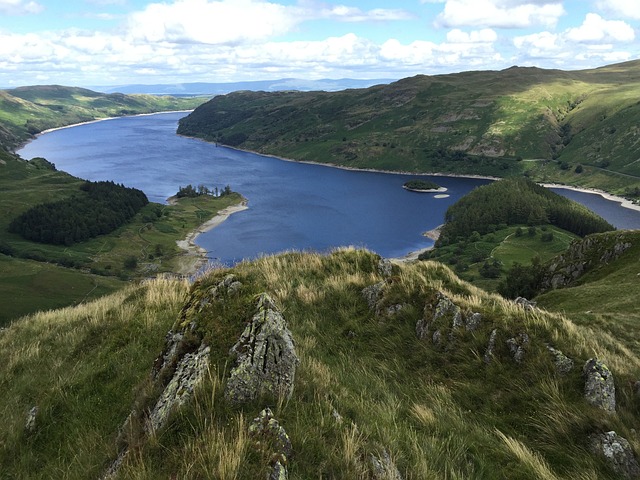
[(194, 256), (432, 234), (624, 202), (88, 122)]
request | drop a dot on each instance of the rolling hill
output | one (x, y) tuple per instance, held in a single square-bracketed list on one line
[(574, 127), (26, 111)]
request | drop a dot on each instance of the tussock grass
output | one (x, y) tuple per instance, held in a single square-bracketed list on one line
[(365, 386)]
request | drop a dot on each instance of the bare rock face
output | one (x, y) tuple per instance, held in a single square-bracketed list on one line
[(266, 359), (618, 453), (385, 267), (270, 437), (599, 387)]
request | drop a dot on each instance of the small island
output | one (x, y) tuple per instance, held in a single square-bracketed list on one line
[(423, 186)]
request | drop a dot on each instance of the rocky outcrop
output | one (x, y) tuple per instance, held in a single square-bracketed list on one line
[(518, 346), (618, 453), (382, 467), (190, 371), (562, 363), (272, 439), (491, 346), (265, 354), (30, 424), (599, 387), (584, 255), (528, 305), (373, 294), (443, 313)]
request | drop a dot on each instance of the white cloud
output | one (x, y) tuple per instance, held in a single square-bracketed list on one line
[(218, 22), (597, 29), (19, 7), (486, 35), (629, 9), (500, 13), (353, 14)]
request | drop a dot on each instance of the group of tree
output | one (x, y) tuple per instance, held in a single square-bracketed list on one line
[(191, 192), (99, 208), (516, 201)]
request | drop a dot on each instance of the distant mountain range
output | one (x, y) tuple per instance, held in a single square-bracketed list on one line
[(204, 88)]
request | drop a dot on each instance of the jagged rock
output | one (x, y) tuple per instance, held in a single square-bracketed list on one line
[(383, 467), (563, 363), (518, 346), (528, 305), (437, 338), (618, 453), (172, 342), (393, 309), (372, 294), (599, 387), (266, 359), (189, 372), (443, 309), (228, 286), (472, 322), (30, 424), (271, 437), (582, 256), (491, 346), (385, 267)]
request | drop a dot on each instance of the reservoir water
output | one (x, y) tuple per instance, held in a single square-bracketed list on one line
[(292, 206)]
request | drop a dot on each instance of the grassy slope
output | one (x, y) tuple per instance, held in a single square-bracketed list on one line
[(25, 111), (440, 413), (605, 298), (150, 238), (503, 245), (518, 112)]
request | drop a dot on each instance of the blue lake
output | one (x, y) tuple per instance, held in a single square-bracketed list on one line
[(291, 205)]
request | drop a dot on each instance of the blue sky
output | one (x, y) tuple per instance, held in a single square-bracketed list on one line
[(116, 42)]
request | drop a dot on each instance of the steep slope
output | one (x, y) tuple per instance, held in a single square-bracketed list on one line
[(470, 122), (370, 371), (26, 111)]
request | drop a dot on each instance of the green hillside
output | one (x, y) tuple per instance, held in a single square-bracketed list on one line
[(396, 376), (25, 111), (542, 123)]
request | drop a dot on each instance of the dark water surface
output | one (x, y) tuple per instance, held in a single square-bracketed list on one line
[(291, 205)]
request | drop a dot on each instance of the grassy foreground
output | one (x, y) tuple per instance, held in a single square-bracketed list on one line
[(365, 383)]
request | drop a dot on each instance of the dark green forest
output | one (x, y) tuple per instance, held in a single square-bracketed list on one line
[(516, 201), (99, 208)]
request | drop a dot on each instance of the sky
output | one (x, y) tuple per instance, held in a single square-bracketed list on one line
[(119, 42)]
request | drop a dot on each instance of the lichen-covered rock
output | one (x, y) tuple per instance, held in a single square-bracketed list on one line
[(443, 312), (518, 346), (373, 294), (189, 372), (491, 346), (30, 424), (599, 386), (266, 359), (437, 338), (618, 453), (472, 321), (393, 309), (383, 467), (271, 438), (385, 267), (528, 305), (583, 256), (563, 363)]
